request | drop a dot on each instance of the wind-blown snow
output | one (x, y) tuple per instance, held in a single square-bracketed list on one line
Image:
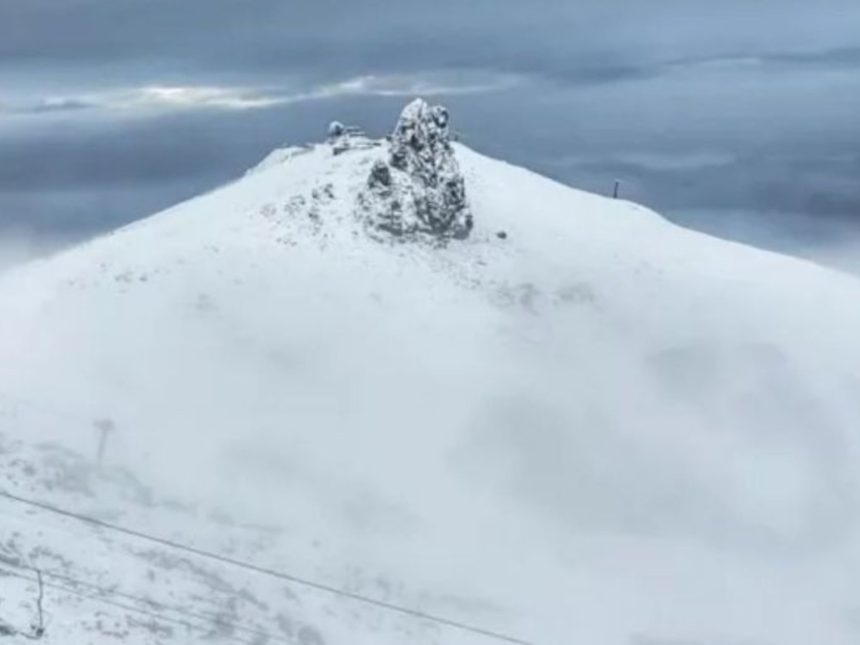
[(598, 428)]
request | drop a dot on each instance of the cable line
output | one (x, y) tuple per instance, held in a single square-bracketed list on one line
[(287, 577), (102, 600)]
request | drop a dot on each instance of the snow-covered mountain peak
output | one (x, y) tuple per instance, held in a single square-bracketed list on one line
[(413, 190), (445, 383)]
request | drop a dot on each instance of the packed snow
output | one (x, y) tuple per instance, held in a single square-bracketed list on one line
[(541, 412)]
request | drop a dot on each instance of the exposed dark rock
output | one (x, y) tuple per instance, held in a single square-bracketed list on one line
[(380, 175)]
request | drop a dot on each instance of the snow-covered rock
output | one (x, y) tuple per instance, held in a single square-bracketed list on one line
[(419, 190)]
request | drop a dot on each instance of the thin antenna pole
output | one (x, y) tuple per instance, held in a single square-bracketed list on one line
[(39, 628), (105, 427)]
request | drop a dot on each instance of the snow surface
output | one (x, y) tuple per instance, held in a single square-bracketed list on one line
[(601, 429)]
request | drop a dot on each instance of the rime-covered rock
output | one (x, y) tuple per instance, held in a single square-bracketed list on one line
[(420, 189)]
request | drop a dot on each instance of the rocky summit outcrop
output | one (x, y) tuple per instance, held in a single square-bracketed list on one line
[(418, 191)]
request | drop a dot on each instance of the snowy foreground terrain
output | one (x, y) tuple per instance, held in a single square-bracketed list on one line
[(492, 398)]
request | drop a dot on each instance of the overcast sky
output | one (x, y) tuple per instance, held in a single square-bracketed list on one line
[(739, 117)]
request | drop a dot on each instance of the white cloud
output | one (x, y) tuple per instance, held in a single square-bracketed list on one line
[(179, 97), (432, 84), (156, 99)]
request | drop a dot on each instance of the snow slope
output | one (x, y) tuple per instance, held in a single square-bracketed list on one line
[(597, 428)]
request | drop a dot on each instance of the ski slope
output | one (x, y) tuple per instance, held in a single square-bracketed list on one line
[(598, 427)]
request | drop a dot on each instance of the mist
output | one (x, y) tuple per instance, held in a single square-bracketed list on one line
[(16, 250)]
